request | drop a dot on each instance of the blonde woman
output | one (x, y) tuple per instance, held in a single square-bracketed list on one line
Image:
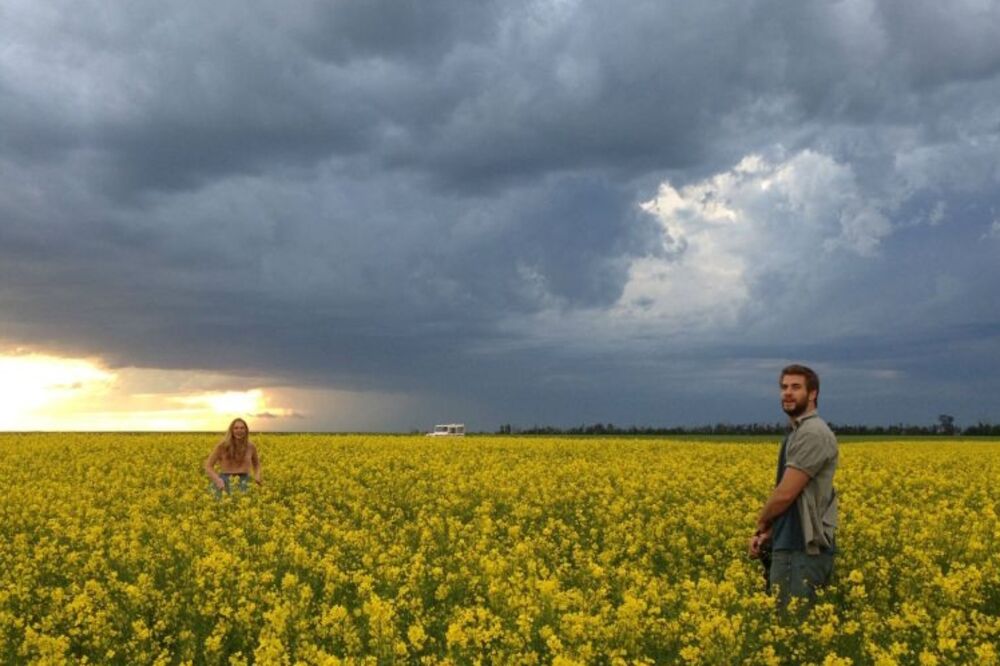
[(236, 456)]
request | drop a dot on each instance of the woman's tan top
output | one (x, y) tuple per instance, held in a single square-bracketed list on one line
[(250, 464)]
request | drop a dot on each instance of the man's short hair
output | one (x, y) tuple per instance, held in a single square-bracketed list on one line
[(812, 379)]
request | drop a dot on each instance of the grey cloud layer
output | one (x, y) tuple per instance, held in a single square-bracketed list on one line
[(362, 194)]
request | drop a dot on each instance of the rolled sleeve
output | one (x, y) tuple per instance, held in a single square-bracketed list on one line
[(810, 451)]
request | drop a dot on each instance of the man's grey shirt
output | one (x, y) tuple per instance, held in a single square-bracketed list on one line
[(812, 448)]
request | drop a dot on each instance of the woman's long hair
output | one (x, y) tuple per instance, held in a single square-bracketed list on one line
[(233, 448)]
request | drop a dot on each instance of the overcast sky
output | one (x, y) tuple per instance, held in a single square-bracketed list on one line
[(393, 213)]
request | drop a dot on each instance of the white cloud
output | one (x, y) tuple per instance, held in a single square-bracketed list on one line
[(862, 231), (994, 231), (761, 220), (937, 215), (742, 246)]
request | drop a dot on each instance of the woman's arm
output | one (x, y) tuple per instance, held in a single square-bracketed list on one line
[(255, 464), (210, 467)]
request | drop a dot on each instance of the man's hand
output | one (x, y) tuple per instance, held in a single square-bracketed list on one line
[(757, 542)]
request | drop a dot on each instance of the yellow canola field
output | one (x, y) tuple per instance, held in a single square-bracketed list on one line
[(502, 550)]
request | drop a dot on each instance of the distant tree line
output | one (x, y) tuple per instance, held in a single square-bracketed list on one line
[(612, 429), (945, 426), (983, 429)]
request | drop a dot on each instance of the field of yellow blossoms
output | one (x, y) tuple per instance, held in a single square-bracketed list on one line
[(502, 550)]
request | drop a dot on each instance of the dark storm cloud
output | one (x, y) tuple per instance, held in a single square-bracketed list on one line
[(407, 31), (369, 195)]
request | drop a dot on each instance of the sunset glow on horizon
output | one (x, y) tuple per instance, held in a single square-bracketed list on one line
[(52, 393)]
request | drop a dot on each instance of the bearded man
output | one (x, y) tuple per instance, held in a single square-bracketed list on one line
[(797, 525)]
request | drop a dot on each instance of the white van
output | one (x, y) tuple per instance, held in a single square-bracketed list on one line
[(448, 430)]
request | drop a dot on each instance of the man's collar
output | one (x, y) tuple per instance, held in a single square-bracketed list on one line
[(796, 422)]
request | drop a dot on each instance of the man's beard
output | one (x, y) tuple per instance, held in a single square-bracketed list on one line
[(797, 410)]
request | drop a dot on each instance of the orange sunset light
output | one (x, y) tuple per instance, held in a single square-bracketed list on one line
[(37, 383), (47, 392)]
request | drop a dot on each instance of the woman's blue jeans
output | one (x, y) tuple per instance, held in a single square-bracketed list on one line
[(243, 486)]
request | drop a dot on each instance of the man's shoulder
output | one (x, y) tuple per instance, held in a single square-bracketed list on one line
[(813, 446), (813, 420), (813, 425)]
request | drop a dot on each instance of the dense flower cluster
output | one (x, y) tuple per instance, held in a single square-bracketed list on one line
[(378, 550)]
